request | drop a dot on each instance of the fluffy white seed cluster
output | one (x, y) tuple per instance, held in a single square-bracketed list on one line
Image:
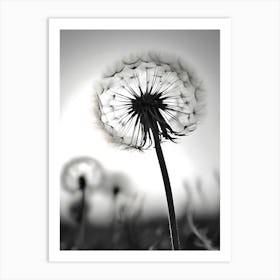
[(151, 89)]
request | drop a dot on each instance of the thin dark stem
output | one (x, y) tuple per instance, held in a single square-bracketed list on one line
[(174, 235), (82, 217)]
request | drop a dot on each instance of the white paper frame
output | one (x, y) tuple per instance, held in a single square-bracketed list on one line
[(222, 24)]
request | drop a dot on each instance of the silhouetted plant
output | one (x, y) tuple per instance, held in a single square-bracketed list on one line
[(146, 99)]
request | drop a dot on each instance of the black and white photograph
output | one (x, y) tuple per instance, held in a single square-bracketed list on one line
[(138, 146)]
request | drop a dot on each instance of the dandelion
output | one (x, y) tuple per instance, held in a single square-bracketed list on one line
[(145, 100), (81, 176)]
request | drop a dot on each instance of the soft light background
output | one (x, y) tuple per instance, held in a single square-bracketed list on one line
[(195, 160), (255, 140)]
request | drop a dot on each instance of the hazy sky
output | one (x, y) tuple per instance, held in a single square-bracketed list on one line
[(84, 57)]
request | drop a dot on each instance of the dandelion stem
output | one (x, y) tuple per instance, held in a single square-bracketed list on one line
[(174, 235), (81, 219)]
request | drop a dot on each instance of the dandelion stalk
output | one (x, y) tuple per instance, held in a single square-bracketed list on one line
[(173, 228), (81, 218)]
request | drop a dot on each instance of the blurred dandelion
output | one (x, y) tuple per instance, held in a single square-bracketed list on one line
[(145, 100), (81, 176)]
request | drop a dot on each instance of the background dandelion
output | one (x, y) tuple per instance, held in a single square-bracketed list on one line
[(79, 177)]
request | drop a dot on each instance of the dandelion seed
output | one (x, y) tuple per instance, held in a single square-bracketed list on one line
[(149, 99)]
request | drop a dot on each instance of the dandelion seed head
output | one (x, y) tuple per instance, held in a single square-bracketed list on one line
[(82, 172), (145, 92)]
